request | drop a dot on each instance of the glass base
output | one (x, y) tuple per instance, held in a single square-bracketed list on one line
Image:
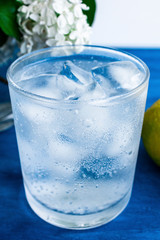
[(77, 222)]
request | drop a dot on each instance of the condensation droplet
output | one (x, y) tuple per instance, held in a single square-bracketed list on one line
[(130, 153), (84, 175), (76, 111)]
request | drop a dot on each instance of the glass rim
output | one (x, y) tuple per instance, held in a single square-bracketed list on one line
[(106, 101)]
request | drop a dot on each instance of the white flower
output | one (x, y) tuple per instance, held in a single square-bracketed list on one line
[(52, 22), (27, 1), (61, 6)]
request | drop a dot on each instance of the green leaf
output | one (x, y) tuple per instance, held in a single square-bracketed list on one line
[(8, 18), (91, 12), (19, 2)]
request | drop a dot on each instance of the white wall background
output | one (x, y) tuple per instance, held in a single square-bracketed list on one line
[(131, 23)]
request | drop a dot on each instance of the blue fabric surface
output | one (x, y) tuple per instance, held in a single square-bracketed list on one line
[(141, 218)]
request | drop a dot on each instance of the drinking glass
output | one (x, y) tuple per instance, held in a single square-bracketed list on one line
[(78, 113)]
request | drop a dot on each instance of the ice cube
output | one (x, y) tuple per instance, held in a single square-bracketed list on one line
[(77, 74), (54, 86), (84, 81), (64, 157), (94, 123), (31, 159), (96, 92), (121, 137), (77, 82), (69, 89), (72, 83), (118, 77), (36, 113), (42, 85), (35, 119), (35, 70)]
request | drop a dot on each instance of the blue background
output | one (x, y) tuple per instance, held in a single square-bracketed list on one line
[(141, 218)]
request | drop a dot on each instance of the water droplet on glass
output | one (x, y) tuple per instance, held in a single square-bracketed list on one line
[(84, 175)]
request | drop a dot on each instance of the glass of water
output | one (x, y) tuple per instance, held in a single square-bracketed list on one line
[(78, 113)]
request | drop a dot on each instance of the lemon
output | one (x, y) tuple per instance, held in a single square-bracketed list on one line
[(151, 132)]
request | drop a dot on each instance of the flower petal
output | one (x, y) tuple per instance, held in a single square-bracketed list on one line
[(50, 42)]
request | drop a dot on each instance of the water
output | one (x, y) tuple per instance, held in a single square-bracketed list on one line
[(79, 159)]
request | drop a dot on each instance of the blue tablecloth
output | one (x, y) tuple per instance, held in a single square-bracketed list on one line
[(141, 218)]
